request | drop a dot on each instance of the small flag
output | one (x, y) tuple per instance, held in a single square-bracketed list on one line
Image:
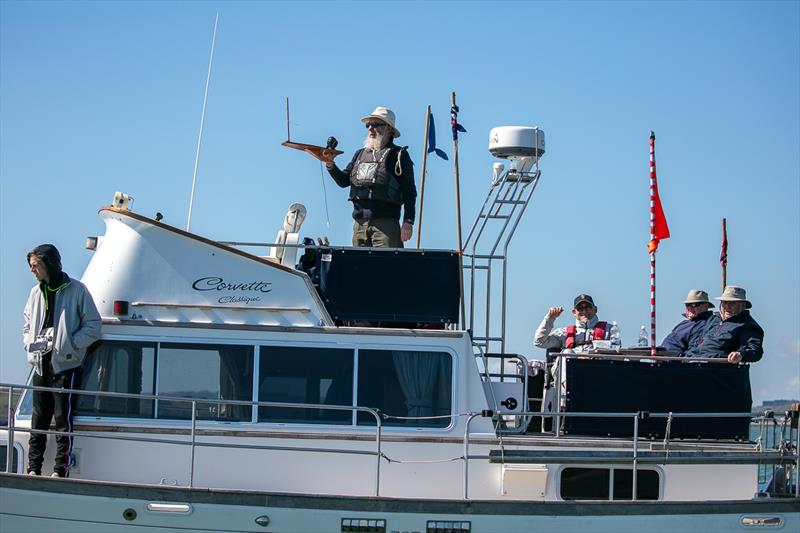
[(454, 122), (658, 222), (432, 139), (723, 253)]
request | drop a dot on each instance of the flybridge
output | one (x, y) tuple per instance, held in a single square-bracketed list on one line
[(146, 270)]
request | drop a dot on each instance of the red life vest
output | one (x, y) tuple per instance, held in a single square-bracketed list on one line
[(598, 334)]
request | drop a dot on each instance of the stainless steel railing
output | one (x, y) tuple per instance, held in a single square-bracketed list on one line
[(634, 459), (193, 444)]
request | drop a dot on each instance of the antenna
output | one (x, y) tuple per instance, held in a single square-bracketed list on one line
[(288, 135), (202, 121)]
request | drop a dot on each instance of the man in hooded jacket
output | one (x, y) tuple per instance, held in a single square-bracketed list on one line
[(61, 322)]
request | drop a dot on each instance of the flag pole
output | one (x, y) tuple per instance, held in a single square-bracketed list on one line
[(723, 256), (652, 239), (454, 121), (454, 124), (424, 170)]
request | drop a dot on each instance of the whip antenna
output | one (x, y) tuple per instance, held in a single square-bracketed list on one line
[(202, 121)]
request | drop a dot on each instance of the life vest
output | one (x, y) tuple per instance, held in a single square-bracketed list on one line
[(598, 334), (372, 179)]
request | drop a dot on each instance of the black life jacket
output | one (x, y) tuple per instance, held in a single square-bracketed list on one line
[(372, 178)]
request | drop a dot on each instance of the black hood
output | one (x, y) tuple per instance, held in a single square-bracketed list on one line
[(48, 254)]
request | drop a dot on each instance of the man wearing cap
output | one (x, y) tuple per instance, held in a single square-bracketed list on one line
[(577, 337), (735, 335), (688, 333), (61, 322), (381, 180)]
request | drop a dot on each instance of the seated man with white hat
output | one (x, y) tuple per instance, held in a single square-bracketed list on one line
[(381, 180), (688, 333), (734, 334)]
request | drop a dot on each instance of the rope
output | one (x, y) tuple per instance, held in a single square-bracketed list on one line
[(398, 167), (393, 417), (667, 433), (325, 196)]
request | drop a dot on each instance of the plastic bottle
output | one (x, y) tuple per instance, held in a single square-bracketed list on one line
[(616, 341), (644, 338)]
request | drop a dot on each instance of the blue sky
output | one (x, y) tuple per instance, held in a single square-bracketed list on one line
[(98, 97)]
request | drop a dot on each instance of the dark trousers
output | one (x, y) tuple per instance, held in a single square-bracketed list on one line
[(55, 406)]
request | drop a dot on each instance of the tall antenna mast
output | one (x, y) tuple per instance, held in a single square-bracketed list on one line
[(202, 121)]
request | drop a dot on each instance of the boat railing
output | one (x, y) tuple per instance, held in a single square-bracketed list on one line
[(781, 455), (193, 443), (784, 453)]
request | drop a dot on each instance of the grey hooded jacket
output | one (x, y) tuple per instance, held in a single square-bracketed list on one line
[(76, 325)]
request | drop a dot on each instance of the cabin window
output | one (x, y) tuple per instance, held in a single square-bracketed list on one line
[(597, 483), (212, 372), (408, 387), (118, 366), (322, 376)]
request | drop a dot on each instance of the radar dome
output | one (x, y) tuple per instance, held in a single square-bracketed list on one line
[(516, 142)]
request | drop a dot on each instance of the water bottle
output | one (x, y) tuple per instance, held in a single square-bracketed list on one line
[(616, 341), (644, 339)]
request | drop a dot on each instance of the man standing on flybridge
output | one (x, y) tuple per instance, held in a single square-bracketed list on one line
[(381, 180), (61, 322)]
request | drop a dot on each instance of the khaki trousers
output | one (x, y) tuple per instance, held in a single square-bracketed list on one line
[(377, 232)]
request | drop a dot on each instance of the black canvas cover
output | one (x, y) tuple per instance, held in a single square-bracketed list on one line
[(387, 285), (596, 385)]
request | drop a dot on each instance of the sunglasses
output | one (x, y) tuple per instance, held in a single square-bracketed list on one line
[(583, 307), (695, 305), (374, 125)]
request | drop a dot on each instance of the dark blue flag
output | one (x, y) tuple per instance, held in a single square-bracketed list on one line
[(432, 139), (454, 122)]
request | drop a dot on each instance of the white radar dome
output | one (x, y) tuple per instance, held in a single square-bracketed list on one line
[(516, 142)]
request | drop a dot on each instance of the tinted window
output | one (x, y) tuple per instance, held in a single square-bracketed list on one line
[(4, 457), (206, 371), (118, 366), (409, 386), (585, 483), (305, 375), (593, 484), (646, 484)]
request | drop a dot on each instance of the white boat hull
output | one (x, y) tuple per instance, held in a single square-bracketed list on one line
[(45, 504)]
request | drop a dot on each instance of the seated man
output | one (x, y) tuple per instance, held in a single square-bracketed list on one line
[(688, 333), (733, 334), (577, 337)]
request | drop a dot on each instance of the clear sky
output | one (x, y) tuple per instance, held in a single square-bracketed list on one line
[(98, 97)]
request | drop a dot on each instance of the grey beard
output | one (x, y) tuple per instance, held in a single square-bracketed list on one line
[(377, 143)]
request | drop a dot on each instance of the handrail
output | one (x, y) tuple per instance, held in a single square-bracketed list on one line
[(755, 458), (193, 444)]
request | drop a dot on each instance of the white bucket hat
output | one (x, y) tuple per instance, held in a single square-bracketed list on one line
[(735, 294), (386, 115), (696, 296)]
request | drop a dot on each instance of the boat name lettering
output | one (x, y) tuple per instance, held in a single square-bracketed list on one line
[(239, 299), (219, 284)]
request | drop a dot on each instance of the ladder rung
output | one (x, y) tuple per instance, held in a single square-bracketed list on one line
[(487, 338), (493, 216), (512, 202)]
